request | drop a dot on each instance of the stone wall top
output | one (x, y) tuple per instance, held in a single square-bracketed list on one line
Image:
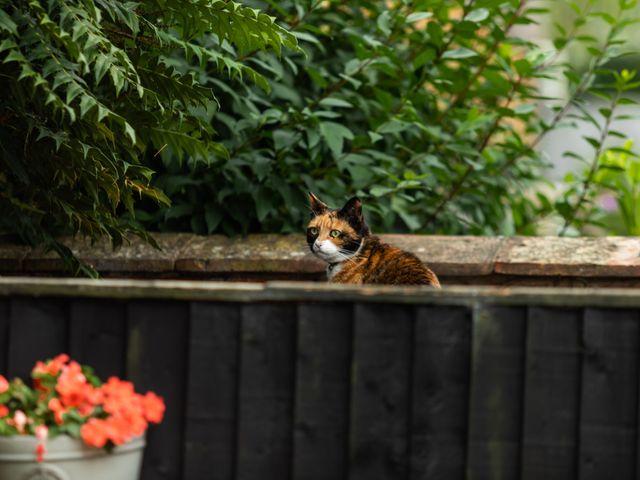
[(463, 259)]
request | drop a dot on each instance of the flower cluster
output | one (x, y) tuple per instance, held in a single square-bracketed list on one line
[(129, 414), (68, 399)]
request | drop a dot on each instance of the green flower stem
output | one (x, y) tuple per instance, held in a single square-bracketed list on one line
[(588, 181)]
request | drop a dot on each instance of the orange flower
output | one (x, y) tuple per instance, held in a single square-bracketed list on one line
[(116, 429), (118, 388), (71, 384), (137, 425), (4, 385), (58, 409), (4, 411), (75, 391), (119, 429), (52, 367), (93, 433), (120, 397), (153, 407), (62, 386)]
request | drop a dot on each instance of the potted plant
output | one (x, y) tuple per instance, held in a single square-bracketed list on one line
[(69, 425)]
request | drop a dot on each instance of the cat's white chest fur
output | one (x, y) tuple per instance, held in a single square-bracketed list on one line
[(333, 269)]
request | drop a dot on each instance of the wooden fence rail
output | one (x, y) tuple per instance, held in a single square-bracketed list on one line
[(310, 382)]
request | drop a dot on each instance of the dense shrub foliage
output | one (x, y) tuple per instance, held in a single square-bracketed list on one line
[(429, 109), (88, 91)]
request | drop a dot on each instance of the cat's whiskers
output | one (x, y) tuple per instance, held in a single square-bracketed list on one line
[(347, 258)]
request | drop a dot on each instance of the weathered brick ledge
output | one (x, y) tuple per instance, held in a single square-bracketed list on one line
[(610, 261)]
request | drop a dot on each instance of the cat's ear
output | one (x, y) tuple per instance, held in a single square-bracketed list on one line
[(352, 213), (352, 209), (318, 207)]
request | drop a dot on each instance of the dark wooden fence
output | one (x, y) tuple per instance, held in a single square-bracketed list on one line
[(317, 383)]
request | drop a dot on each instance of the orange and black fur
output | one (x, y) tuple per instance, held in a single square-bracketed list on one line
[(342, 238)]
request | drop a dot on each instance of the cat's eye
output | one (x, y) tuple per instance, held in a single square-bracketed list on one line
[(335, 233), (313, 231)]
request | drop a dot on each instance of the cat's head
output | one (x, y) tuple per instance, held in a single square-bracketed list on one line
[(333, 234)]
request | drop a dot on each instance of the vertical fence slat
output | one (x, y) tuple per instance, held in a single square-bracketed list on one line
[(267, 371), (156, 360), (552, 392), (609, 395), (212, 392), (37, 331), (380, 400), (440, 393), (4, 335), (495, 405), (97, 335), (322, 392)]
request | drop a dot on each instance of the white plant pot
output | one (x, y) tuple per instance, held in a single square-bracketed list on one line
[(68, 459)]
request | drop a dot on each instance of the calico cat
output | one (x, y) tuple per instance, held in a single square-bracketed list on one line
[(342, 238)]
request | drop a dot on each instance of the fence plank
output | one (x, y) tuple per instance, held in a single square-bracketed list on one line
[(495, 404), (440, 392), (97, 335), (266, 392), (37, 331), (551, 404), (156, 360), (609, 395), (210, 434), (322, 391), (5, 320), (381, 392)]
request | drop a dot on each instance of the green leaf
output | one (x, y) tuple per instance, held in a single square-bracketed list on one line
[(101, 66), (384, 22), (478, 15), (424, 57), (284, 138), (213, 217), (335, 102), (594, 142), (417, 16), (263, 201), (375, 137), (459, 53), (334, 135), (130, 132), (87, 102), (7, 24), (607, 17), (6, 44), (379, 191), (73, 91), (525, 109), (393, 126)]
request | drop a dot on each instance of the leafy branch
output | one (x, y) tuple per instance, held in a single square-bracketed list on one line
[(91, 92), (623, 83)]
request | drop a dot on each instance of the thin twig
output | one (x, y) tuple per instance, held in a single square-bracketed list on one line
[(586, 184), (580, 90), (455, 190)]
